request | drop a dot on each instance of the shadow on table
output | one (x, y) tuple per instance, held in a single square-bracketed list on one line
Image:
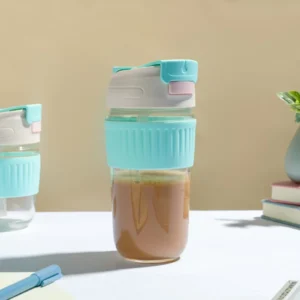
[(70, 263), (258, 221)]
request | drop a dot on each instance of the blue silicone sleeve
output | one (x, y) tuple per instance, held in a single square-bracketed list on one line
[(19, 176), (150, 145)]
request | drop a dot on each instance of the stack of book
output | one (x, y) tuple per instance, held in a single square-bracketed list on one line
[(284, 205)]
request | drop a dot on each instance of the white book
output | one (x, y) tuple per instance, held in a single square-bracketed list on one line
[(282, 213), (50, 292), (290, 291)]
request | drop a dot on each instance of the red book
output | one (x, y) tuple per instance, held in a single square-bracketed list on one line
[(287, 192)]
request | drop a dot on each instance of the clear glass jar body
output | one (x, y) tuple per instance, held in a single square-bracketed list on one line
[(150, 207), (17, 212), (150, 213)]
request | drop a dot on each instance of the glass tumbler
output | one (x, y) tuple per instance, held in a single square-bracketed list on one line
[(150, 144), (20, 129)]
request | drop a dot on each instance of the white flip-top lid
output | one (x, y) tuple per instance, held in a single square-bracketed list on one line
[(20, 125), (159, 84)]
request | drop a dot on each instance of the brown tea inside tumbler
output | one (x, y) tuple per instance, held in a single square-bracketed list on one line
[(150, 214)]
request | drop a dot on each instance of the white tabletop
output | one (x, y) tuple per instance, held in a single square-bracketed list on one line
[(230, 255)]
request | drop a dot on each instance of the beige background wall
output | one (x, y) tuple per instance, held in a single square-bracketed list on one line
[(60, 53)]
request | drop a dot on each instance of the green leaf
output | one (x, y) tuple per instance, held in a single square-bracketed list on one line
[(295, 95), (295, 107), (287, 98), (292, 99)]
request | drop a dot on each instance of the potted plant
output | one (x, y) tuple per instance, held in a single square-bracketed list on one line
[(292, 158)]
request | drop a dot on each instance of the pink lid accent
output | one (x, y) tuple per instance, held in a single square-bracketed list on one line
[(288, 184), (36, 127), (181, 88)]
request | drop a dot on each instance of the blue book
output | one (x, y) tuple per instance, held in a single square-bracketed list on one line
[(281, 213)]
